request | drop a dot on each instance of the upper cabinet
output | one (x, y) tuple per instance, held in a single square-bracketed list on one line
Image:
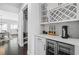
[(61, 13), (44, 17)]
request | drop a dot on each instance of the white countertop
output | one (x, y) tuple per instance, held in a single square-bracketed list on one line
[(72, 41)]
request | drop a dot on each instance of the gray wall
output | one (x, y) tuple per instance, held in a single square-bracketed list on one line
[(73, 28)]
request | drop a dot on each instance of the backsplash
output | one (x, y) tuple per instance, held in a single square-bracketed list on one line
[(73, 28)]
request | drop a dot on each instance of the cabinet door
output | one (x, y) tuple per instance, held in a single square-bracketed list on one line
[(40, 46), (65, 49), (51, 47)]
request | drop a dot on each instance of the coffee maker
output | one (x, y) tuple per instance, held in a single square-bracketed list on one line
[(65, 32)]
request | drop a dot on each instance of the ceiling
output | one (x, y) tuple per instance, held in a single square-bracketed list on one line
[(17, 5), (11, 7)]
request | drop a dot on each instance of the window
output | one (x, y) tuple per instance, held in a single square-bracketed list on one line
[(3, 27), (14, 26)]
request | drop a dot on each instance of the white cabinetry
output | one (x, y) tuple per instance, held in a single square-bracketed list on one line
[(64, 13), (40, 46)]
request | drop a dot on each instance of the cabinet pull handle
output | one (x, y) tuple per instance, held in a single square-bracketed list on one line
[(44, 47)]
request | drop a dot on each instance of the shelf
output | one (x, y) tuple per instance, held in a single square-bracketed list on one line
[(44, 23), (44, 16), (25, 38), (25, 42)]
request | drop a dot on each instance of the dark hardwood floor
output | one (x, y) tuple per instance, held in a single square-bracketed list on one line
[(23, 50), (12, 48)]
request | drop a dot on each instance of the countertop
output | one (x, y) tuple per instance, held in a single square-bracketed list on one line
[(73, 41)]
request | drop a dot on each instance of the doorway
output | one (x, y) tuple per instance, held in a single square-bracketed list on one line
[(25, 30)]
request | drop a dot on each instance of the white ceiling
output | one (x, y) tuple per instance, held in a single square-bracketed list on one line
[(17, 5), (11, 7)]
